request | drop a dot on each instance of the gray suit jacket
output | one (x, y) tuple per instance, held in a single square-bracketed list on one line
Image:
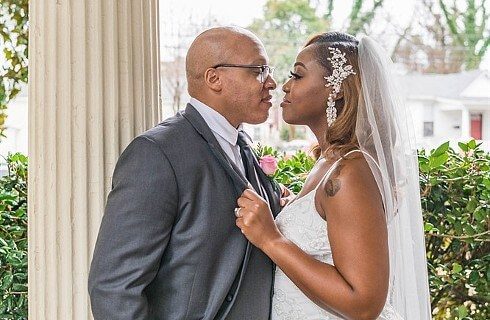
[(168, 246)]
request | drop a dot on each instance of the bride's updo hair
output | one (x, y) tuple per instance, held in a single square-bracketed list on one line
[(340, 136)]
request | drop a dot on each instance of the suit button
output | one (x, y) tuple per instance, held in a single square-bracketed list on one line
[(229, 297)]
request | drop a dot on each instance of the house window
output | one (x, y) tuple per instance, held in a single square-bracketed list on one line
[(476, 126), (428, 128)]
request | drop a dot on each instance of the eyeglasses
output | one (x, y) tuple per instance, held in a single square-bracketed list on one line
[(265, 70)]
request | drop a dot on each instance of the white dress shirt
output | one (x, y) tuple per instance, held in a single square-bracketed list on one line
[(225, 133)]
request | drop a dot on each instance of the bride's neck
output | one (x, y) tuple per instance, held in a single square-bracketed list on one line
[(319, 130)]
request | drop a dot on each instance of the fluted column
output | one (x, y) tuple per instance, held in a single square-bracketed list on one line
[(465, 124), (93, 77)]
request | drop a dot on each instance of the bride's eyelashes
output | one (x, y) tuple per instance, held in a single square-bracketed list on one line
[(294, 75)]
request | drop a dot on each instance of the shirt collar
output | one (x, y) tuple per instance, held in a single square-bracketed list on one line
[(216, 122)]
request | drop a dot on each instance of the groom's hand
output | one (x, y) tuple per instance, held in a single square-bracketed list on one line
[(255, 220), (286, 195)]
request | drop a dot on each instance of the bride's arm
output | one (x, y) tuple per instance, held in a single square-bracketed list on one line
[(357, 285)]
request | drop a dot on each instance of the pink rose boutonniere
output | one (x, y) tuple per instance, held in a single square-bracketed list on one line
[(268, 165)]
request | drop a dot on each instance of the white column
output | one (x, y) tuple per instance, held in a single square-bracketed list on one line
[(93, 86), (465, 125)]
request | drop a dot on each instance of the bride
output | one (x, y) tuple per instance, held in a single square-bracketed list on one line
[(350, 245)]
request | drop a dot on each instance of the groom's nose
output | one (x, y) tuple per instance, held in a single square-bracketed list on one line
[(270, 83)]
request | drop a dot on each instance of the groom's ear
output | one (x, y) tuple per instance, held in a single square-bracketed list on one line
[(212, 79)]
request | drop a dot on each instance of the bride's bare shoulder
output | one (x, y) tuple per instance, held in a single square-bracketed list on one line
[(351, 180)]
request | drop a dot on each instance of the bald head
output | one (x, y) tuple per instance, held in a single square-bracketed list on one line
[(212, 47)]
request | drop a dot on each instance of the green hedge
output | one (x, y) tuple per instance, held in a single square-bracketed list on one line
[(455, 187), (13, 239)]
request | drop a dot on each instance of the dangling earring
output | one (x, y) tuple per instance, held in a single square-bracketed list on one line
[(340, 72), (331, 110)]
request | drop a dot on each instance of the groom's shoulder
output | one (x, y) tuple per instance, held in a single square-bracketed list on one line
[(170, 132)]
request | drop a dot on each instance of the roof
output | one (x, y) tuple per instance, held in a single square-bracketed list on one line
[(450, 86)]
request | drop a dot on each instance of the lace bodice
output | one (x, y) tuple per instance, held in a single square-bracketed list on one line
[(300, 222)]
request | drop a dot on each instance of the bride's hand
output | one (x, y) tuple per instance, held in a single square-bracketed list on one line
[(255, 219), (286, 195)]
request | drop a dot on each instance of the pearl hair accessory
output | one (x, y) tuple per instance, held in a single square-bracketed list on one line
[(340, 72)]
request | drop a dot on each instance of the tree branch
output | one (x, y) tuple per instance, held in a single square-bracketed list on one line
[(461, 237)]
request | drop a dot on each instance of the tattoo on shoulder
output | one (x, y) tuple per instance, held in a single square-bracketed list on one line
[(333, 184), (332, 187)]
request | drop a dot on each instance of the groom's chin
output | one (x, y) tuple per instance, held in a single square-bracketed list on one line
[(254, 122), (259, 118)]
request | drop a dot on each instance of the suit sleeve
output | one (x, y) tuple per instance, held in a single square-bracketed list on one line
[(134, 233)]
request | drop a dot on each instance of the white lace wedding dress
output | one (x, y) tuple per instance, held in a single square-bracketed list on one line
[(300, 223)]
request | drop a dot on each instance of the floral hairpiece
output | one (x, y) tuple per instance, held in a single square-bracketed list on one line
[(340, 72)]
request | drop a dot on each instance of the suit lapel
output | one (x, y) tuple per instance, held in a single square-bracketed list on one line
[(196, 120)]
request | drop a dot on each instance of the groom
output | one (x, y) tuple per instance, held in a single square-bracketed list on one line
[(168, 246)]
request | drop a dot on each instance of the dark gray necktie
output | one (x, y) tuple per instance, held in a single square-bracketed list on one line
[(248, 163)]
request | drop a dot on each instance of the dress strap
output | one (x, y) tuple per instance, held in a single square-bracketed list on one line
[(333, 166)]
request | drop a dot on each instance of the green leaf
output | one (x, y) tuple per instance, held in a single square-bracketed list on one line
[(469, 229), (457, 268), (438, 160), (481, 215), (472, 144), (474, 277), (463, 146), (462, 311), (6, 281), (486, 183), (19, 287), (425, 167), (428, 227), (443, 148), (471, 205)]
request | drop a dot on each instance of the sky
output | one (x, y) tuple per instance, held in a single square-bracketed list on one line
[(242, 12), (177, 14)]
